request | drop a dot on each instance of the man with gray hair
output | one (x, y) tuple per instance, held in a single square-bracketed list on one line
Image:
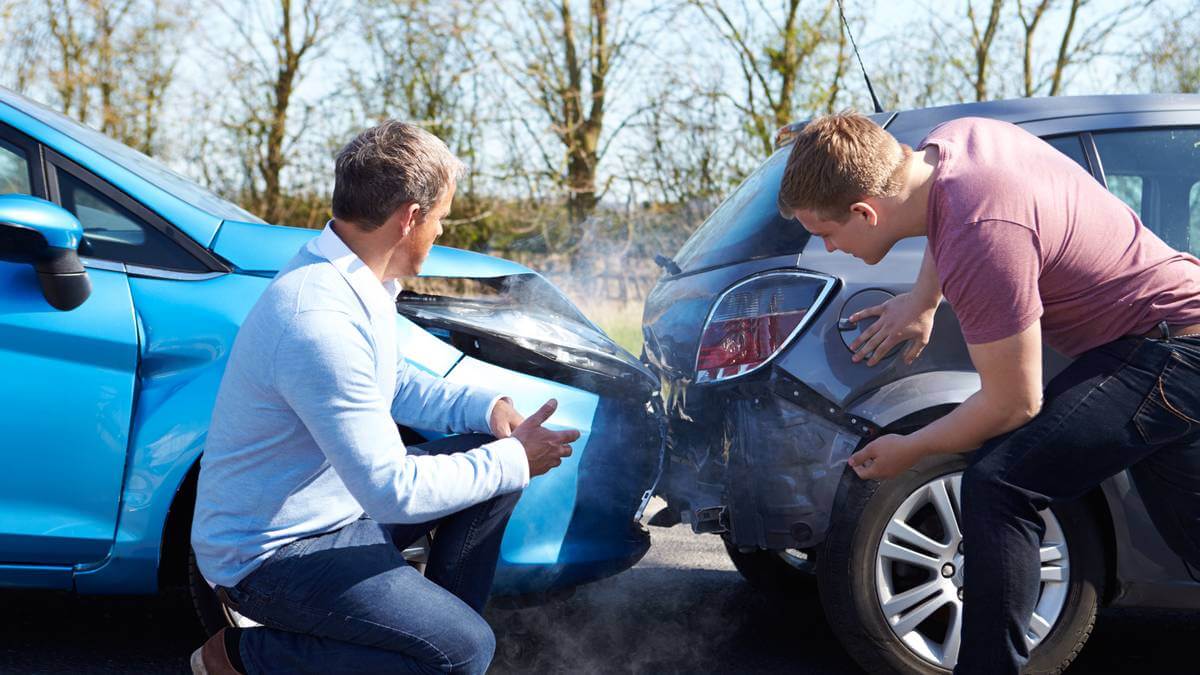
[(307, 496)]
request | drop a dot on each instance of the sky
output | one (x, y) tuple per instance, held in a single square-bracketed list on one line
[(886, 35)]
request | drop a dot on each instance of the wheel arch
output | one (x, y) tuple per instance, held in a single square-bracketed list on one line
[(911, 399), (1096, 500), (177, 532), (1099, 508)]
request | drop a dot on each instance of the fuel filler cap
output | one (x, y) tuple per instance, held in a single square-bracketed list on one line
[(860, 300)]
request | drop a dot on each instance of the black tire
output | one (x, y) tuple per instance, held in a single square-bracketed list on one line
[(770, 573), (847, 581), (208, 608)]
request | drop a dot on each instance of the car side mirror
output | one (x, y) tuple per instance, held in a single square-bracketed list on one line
[(33, 231)]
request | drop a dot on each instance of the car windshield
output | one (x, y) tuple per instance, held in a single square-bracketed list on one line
[(747, 225), (144, 167)]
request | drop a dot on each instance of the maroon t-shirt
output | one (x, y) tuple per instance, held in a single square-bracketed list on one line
[(1019, 232)]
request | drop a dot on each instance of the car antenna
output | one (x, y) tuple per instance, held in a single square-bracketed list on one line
[(874, 98)]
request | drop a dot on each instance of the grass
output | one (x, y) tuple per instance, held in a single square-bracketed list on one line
[(622, 321)]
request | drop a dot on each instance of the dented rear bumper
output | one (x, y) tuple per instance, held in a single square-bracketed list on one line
[(759, 462)]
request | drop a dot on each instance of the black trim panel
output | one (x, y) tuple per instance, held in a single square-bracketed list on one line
[(33, 153), (1093, 157)]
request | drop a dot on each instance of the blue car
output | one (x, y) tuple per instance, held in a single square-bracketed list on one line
[(122, 285)]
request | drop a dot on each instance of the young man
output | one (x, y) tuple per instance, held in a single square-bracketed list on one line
[(1026, 246), (307, 496)]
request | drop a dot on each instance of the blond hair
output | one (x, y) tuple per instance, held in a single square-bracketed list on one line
[(837, 160)]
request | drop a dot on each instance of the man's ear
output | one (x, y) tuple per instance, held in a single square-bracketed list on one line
[(407, 217), (865, 211)]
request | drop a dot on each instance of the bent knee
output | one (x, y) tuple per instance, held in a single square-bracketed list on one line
[(986, 489), (980, 478), (502, 505), (474, 647)]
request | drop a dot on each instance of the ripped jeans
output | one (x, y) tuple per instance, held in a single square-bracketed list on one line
[(1134, 404), (348, 601)]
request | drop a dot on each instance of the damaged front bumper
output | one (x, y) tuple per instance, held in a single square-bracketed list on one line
[(757, 461), (517, 333)]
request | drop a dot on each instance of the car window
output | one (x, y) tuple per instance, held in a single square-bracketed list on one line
[(1070, 146), (113, 232), (1194, 206), (1156, 172), (1128, 188), (14, 170), (747, 225)]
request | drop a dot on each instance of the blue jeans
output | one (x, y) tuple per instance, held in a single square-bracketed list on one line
[(348, 601), (1133, 403)]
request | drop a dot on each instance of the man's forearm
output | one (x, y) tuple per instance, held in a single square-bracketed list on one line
[(426, 401), (969, 425), (927, 287)]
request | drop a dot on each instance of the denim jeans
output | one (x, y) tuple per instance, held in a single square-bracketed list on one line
[(348, 601), (1131, 404)]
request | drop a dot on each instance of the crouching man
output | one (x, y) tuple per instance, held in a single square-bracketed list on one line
[(1026, 246), (307, 496)]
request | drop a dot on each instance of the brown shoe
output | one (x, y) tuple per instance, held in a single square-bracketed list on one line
[(211, 659)]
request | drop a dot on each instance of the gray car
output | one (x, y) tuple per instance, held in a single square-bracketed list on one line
[(748, 332)]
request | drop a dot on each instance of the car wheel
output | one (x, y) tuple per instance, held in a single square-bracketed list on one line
[(891, 573), (787, 573), (211, 612)]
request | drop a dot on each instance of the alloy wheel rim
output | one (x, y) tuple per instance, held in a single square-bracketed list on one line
[(919, 569)]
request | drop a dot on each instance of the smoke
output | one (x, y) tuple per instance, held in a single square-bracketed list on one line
[(683, 609)]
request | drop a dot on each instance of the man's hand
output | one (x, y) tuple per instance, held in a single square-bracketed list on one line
[(544, 448), (904, 317), (504, 418), (885, 457)]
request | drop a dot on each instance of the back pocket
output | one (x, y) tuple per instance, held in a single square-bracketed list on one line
[(1172, 407)]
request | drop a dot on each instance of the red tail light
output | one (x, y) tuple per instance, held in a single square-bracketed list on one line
[(754, 320)]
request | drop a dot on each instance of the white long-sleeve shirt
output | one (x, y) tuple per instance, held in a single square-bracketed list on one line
[(303, 438)]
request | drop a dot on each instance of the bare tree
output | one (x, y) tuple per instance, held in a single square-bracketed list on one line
[(1170, 59), (108, 64), (270, 55), (417, 67), (983, 33), (1083, 34), (564, 60), (791, 58), (21, 39), (683, 153), (1030, 18)]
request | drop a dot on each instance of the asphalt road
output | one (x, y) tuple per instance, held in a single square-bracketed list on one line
[(683, 609)]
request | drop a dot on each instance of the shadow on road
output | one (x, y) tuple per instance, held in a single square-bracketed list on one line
[(647, 620), (59, 632)]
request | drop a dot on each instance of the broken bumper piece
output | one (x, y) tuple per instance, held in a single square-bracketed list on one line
[(764, 468)]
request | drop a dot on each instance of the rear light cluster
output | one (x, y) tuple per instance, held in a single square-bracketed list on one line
[(754, 320)]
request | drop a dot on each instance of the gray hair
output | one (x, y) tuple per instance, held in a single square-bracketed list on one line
[(387, 166)]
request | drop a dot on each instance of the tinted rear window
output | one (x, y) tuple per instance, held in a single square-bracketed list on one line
[(747, 225)]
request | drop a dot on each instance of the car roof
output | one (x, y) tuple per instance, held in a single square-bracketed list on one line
[(1024, 110)]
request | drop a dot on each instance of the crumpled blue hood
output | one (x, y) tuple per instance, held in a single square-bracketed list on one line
[(264, 249)]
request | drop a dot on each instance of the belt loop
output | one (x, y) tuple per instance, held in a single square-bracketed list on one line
[(1165, 330)]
